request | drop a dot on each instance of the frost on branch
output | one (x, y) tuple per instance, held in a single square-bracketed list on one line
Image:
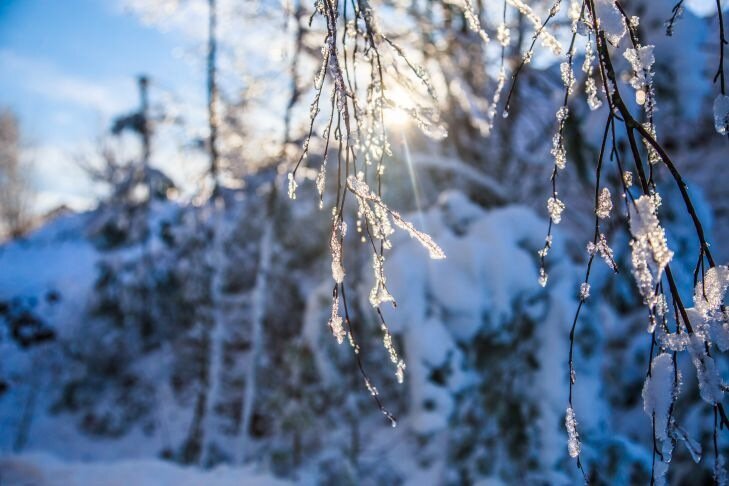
[(721, 114), (650, 250), (392, 352), (292, 186), (642, 60), (473, 21), (659, 392), (379, 221), (573, 438), (335, 321), (379, 293), (604, 250), (558, 150), (548, 40), (628, 178), (590, 87)]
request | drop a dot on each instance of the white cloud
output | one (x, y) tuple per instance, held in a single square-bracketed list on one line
[(58, 178), (43, 78)]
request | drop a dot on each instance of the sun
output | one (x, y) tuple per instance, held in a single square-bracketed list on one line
[(397, 114), (396, 117)]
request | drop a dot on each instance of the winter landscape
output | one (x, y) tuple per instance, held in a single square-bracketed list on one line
[(377, 242)]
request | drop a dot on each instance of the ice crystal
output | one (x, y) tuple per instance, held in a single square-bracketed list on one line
[(562, 113), (335, 244), (709, 294), (399, 363), (604, 204), (321, 183), (292, 186), (379, 293), (379, 221), (335, 321), (590, 87), (548, 40), (650, 253), (661, 306), (543, 277), (473, 21), (672, 341), (720, 476), (653, 156), (555, 208), (692, 445), (584, 291), (503, 36), (568, 76), (558, 151), (604, 250), (641, 60), (591, 91), (371, 388), (721, 114), (706, 372), (573, 438), (610, 20), (628, 178), (658, 394)]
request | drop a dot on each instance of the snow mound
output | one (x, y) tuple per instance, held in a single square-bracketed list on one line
[(46, 470)]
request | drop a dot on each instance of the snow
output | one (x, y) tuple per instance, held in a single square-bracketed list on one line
[(709, 293), (706, 371), (59, 258), (46, 470), (610, 20), (658, 395)]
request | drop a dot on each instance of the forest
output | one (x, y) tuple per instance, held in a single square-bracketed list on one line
[(377, 242)]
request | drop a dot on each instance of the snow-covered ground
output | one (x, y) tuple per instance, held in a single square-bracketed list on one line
[(46, 470)]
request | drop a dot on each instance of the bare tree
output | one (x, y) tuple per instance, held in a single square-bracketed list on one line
[(16, 194)]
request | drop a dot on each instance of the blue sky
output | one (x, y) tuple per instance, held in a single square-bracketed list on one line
[(68, 66)]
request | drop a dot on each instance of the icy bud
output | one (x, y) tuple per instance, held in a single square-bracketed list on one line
[(604, 204)]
